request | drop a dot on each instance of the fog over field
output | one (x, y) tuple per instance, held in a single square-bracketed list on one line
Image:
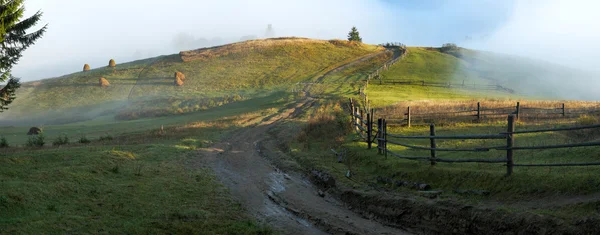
[(524, 28)]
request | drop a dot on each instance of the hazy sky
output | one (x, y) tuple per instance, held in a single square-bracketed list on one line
[(95, 31)]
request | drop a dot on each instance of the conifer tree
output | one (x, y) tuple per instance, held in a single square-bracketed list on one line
[(14, 39), (354, 35)]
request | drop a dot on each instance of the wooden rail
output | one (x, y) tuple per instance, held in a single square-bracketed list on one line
[(382, 138), (462, 85), (479, 113)]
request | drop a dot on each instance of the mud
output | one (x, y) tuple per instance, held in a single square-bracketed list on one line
[(448, 217)]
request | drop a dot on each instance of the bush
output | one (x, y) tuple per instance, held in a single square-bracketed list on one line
[(448, 47), (106, 138), (326, 126), (86, 67), (36, 141), (3, 142), (61, 140), (84, 140), (586, 134), (585, 120), (112, 63)]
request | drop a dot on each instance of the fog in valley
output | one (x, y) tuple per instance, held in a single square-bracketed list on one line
[(554, 31)]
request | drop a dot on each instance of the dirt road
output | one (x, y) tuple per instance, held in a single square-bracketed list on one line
[(286, 201)]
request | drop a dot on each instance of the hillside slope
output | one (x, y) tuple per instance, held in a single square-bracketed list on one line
[(528, 78), (214, 76)]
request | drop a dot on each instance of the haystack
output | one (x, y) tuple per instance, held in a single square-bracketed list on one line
[(179, 75), (86, 67), (103, 82), (178, 82), (112, 63)]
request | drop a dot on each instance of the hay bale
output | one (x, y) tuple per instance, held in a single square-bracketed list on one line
[(34, 131), (178, 82), (179, 75), (103, 82), (112, 63), (86, 67)]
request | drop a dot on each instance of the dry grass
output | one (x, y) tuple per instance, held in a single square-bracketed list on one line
[(458, 111), (112, 63), (218, 51), (179, 75), (86, 67), (103, 82), (328, 124)]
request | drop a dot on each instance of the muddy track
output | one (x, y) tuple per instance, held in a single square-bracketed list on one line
[(286, 201)]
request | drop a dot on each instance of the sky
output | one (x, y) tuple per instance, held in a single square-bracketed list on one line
[(93, 32)]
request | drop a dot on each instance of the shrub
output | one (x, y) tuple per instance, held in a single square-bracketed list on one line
[(112, 63), (3, 142), (586, 134), (103, 82), (448, 47), (84, 140), (36, 141), (585, 120), (86, 67), (106, 138), (327, 126), (61, 140), (179, 75)]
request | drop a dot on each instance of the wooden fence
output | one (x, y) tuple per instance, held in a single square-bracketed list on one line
[(480, 113), (463, 85), (376, 133), (398, 55)]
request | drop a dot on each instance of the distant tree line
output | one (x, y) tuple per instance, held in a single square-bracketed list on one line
[(449, 47), (393, 44)]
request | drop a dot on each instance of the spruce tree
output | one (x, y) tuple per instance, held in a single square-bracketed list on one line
[(354, 35), (14, 39)]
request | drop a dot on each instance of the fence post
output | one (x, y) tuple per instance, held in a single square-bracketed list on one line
[(563, 109), (379, 135), (463, 84), (478, 111), (408, 116), (351, 106), (518, 109), (510, 141), (433, 145), (385, 137), (423, 83), (356, 118), (369, 130), (362, 117)]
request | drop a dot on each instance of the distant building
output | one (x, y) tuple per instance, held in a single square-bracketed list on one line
[(270, 33)]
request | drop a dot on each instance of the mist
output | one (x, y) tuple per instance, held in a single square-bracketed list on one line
[(559, 32), (563, 33)]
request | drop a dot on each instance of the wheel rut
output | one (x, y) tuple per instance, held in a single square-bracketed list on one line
[(286, 201)]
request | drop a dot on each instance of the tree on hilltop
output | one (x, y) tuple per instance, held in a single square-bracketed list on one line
[(354, 35), (14, 39)]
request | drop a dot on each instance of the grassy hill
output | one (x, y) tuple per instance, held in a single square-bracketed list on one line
[(528, 78), (214, 77)]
